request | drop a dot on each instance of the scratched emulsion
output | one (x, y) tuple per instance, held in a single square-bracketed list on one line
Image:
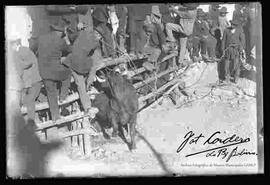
[(163, 128)]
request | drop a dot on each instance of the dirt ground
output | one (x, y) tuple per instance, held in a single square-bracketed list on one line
[(162, 129)]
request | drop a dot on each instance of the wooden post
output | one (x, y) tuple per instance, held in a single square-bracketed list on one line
[(86, 138), (74, 138), (80, 138)]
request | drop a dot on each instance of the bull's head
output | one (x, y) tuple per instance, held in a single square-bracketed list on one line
[(113, 81)]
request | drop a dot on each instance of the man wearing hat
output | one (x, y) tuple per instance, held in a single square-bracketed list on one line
[(233, 44), (51, 47), (187, 14)]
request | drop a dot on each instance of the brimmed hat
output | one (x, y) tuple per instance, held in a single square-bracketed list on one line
[(223, 10), (200, 12), (57, 27), (235, 22), (190, 6), (155, 10), (216, 5)]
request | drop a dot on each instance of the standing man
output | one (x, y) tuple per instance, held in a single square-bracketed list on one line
[(51, 47), (187, 14), (233, 45)]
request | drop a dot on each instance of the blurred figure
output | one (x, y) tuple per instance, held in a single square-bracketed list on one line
[(233, 45), (214, 14), (27, 62), (25, 153)]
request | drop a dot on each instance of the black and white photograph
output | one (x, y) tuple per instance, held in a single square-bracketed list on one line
[(133, 90)]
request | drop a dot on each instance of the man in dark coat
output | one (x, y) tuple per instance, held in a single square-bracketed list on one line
[(136, 16), (51, 47), (100, 22), (83, 62), (233, 44)]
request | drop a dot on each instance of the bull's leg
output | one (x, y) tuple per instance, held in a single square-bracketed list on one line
[(123, 137), (114, 124), (132, 132)]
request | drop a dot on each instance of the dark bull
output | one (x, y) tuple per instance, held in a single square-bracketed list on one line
[(118, 107)]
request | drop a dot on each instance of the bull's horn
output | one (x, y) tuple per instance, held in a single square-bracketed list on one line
[(100, 80)]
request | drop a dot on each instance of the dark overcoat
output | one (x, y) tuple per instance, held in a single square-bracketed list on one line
[(50, 50)]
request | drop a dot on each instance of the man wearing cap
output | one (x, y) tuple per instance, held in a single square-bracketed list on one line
[(26, 61), (233, 44), (187, 14), (51, 47)]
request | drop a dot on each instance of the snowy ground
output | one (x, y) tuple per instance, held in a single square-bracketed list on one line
[(226, 109)]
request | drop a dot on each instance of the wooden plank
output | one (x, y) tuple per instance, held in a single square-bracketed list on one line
[(45, 105), (88, 131), (140, 84), (162, 88), (66, 119)]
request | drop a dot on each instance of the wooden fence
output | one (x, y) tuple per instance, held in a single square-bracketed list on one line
[(76, 128)]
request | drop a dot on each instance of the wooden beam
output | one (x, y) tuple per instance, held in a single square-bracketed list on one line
[(162, 88)]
